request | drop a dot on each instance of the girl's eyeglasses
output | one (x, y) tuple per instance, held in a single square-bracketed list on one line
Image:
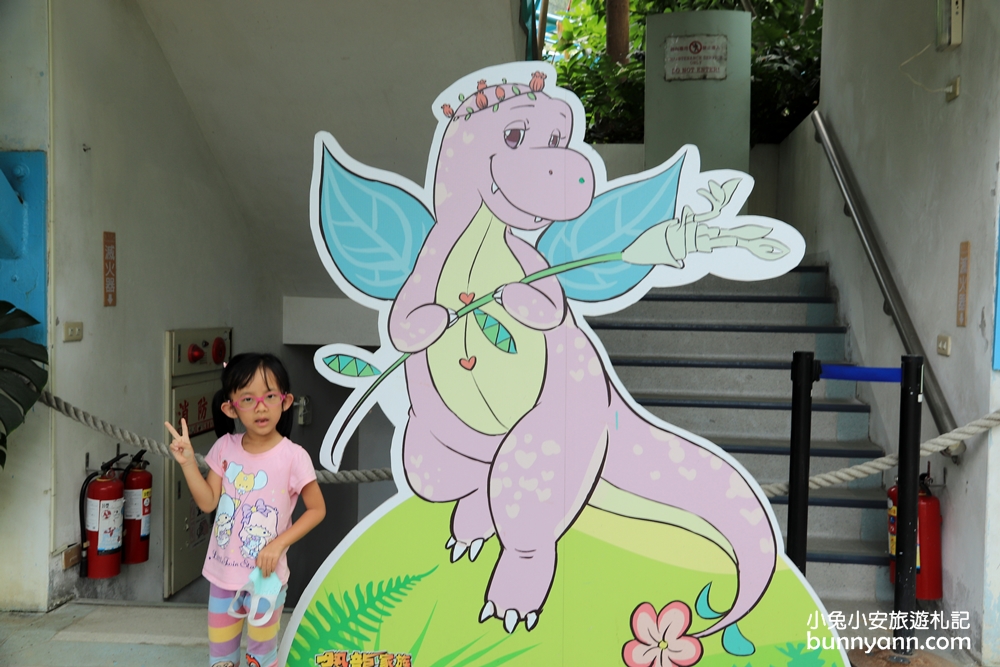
[(271, 399)]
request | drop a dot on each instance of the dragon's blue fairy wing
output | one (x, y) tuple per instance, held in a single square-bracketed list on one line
[(615, 219), (373, 229)]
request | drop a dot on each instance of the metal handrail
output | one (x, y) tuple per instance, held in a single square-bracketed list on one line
[(853, 206)]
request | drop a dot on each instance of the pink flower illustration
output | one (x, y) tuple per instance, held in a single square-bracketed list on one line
[(659, 638)]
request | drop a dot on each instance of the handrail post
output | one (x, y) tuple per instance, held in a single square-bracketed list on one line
[(804, 374), (905, 594)]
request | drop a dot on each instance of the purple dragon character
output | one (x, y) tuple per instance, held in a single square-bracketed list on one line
[(514, 413)]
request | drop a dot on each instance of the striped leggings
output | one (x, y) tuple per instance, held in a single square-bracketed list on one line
[(225, 632)]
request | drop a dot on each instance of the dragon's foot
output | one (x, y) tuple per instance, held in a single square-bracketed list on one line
[(518, 588), (458, 548), (471, 526), (510, 618)]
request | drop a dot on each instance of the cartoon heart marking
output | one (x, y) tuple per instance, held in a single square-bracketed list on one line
[(467, 364), (467, 297), (525, 459)]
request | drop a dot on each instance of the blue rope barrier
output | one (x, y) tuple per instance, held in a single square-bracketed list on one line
[(860, 373)]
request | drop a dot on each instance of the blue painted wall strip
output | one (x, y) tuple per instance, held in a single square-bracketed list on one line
[(23, 280)]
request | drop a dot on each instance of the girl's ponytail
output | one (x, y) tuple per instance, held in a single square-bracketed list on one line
[(224, 424)]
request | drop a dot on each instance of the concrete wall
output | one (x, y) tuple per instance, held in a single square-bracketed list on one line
[(128, 157), (713, 114), (928, 172), (25, 485)]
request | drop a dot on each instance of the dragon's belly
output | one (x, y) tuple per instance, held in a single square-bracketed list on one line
[(488, 368)]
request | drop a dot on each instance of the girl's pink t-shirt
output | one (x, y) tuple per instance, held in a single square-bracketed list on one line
[(259, 492)]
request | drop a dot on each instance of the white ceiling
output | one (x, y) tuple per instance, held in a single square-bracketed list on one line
[(263, 77)]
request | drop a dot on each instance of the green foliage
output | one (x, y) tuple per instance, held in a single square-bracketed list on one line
[(347, 623), (350, 622), (800, 657), (784, 70), (21, 376)]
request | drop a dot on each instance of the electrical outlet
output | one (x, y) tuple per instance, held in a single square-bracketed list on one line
[(72, 331), (305, 412), (944, 345), (953, 90)]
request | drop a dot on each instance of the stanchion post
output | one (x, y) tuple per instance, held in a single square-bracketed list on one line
[(804, 374), (910, 400)]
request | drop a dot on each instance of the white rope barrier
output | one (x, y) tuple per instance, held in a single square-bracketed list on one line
[(127, 437), (842, 476), (876, 466)]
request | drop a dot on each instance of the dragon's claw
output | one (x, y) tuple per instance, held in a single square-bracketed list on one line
[(498, 295), (475, 548), (452, 317), (510, 619), (457, 550), (489, 609)]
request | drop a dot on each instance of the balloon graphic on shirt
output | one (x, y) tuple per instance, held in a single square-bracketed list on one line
[(245, 482), (260, 526)]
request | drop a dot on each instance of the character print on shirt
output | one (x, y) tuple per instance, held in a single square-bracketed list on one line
[(243, 481), (259, 526), (225, 515)]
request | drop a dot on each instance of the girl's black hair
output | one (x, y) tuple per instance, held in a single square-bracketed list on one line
[(240, 372)]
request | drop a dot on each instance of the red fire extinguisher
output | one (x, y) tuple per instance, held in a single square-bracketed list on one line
[(101, 500), (137, 510), (928, 540)]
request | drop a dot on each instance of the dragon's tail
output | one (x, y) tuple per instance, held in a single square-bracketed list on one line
[(655, 475)]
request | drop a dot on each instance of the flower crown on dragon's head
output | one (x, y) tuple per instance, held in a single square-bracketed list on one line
[(487, 96)]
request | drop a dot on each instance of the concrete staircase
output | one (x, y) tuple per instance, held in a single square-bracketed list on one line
[(715, 358)]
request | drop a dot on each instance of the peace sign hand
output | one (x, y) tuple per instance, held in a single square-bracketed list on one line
[(181, 446)]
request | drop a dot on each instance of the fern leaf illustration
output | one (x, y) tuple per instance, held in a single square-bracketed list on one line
[(348, 622)]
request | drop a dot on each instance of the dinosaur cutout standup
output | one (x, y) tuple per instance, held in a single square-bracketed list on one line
[(507, 405)]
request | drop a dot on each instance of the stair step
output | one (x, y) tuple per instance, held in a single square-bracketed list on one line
[(737, 343), (662, 295), (609, 322), (725, 310), (731, 362), (853, 523), (857, 582), (719, 425), (856, 449), (804, 281), (664, 399), (720, 381), (853, 552), (842, 496)]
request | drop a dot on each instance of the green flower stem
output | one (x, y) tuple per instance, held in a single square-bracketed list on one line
[(545, 273), (479, 303)]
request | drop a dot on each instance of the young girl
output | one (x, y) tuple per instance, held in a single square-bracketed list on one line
[(254, 481)]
